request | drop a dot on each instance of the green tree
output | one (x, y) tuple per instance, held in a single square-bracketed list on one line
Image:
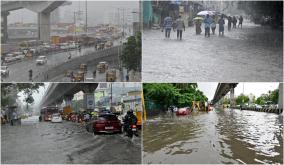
[(180, 95), (132, 54), (242, 99)]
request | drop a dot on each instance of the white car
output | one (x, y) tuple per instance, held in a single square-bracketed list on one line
[(4, 71), (56, 118), (41, 60)]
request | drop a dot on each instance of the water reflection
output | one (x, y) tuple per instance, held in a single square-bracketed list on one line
[(220, 136)]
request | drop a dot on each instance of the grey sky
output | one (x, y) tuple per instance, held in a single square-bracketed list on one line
[(98, 11), (255, 88)]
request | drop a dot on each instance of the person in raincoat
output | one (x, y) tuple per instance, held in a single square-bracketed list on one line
[(167, 26), (180, 26), (207, 23), (221, 23)]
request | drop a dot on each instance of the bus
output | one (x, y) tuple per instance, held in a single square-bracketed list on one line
[(46, 112)]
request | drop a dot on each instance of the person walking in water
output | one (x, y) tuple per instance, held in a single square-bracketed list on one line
[(213, 25), (180, 26), (168, 24), (229, 23), (235, 22), (221, 23), (241, 22), (207, 22), (198, 27)]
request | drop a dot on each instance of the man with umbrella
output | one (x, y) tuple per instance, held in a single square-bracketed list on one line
[(207, 22)]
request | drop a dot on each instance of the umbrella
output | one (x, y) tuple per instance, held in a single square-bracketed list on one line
[(198, 18), (205, 12)]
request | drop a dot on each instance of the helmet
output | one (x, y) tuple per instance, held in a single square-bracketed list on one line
[(130, 112)]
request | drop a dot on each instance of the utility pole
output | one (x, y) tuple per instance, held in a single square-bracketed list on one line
[(86, 30), (110, 94)]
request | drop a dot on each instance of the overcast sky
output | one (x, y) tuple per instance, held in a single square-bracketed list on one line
[(255, 88), (98, 11)]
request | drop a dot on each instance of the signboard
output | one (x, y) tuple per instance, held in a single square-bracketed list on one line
[(90, 101)]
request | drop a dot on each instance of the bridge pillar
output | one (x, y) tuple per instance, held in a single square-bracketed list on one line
[(89, 97), (232, 97), (280, 96), (44, 26), (4, 27), (68, 100)]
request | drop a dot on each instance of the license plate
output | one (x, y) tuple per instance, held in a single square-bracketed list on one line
[(133, 129), (108, 127)]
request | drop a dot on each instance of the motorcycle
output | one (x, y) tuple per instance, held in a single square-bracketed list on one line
[(131, 130)]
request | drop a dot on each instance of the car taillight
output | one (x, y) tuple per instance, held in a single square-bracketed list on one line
[(133, 126)]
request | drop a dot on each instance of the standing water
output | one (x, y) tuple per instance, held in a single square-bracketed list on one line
[(219, 136)]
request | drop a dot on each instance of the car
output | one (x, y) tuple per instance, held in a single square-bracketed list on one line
[(41, 60), (10, 58), (107, 123), (56, 118), (183, 111), (4, 71)]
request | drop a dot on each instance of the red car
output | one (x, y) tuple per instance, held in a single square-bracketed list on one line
[(183, 111), (107, 123)]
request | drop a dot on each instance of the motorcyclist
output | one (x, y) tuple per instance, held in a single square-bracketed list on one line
[(129, 119)]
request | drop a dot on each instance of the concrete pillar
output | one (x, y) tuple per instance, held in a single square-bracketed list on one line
[(68, 100), (4, 27), (44, 26), (280, 96), (232, 97), (89, 101)]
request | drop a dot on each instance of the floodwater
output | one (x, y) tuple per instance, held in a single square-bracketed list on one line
[(65, 143), (217, 137), (253, 53)]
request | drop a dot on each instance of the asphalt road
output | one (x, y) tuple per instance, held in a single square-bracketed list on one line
[(65, 143)]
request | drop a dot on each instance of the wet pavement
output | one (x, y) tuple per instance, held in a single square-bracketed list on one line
[(217, 137), (65, 143), (253, 53)]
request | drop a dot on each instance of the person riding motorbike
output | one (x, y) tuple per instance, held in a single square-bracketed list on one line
[(129, 120)]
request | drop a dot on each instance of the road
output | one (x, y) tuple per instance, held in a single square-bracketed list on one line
[(218, 137), (19, 71), (65, 143), (253, 53)]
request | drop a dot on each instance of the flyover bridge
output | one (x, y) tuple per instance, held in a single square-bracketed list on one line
[(43, 10), (57, 92)]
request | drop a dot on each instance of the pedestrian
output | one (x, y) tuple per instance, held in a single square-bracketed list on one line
[(127, 77), (229, 23), (213, 24), (221, 23), (235, 22), (94, 73), (179, 26), (14, 118), (69, 57), (198, 27), (168, 24), (241, 22), (207, 22)]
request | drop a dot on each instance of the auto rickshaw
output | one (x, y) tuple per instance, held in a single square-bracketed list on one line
[(102, 67), (79, 76), (111, 75)]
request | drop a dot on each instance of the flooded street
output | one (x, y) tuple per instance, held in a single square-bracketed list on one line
[(65, 143), (217, 137), (253, 53)]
